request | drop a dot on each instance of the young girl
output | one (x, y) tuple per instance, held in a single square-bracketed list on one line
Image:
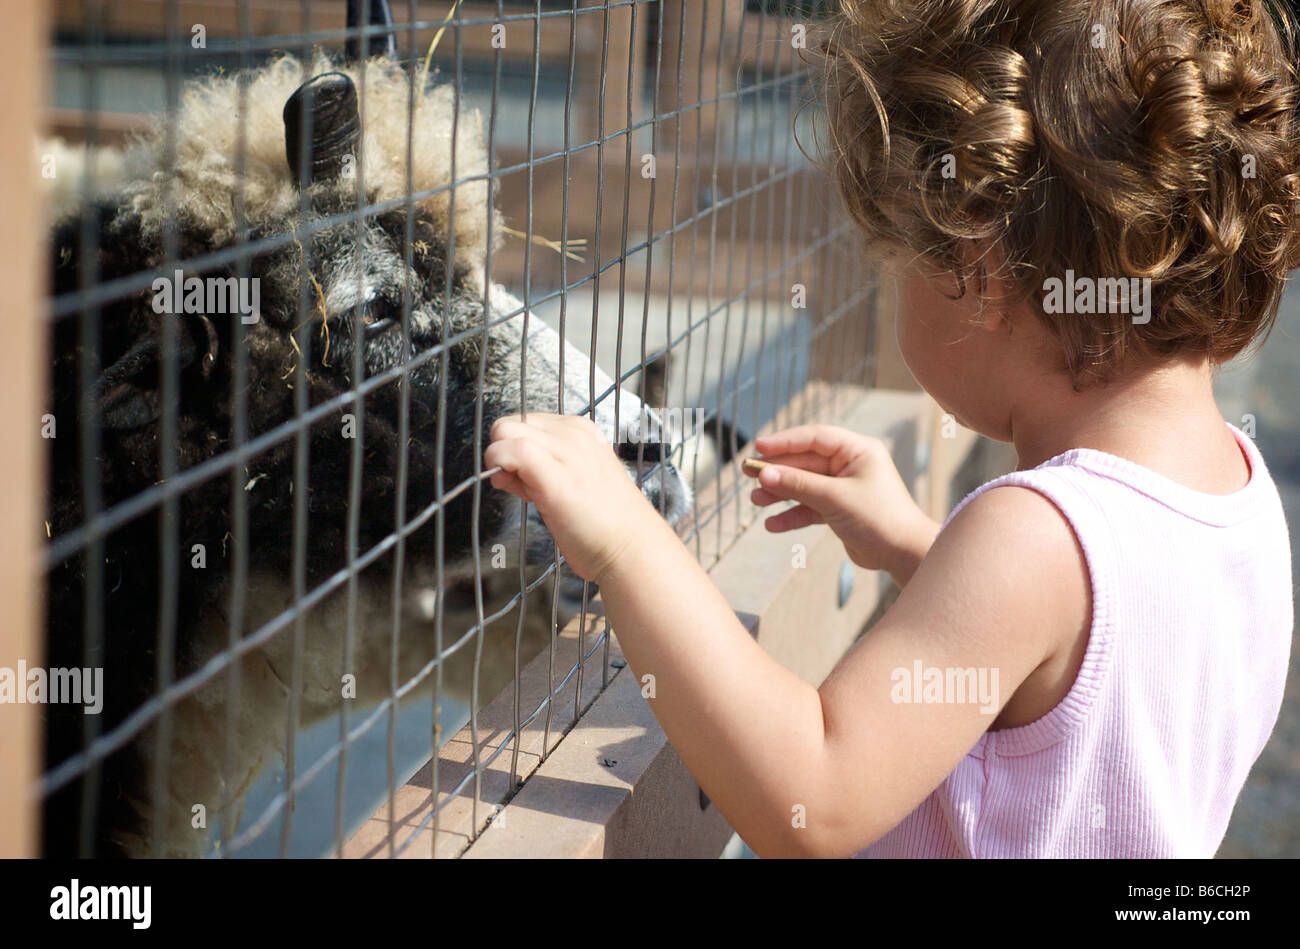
[(1091, 205)]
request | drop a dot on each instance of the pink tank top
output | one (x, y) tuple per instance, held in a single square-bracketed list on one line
[(1179, 689)]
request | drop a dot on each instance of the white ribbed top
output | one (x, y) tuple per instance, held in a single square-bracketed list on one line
[(1179, 688)]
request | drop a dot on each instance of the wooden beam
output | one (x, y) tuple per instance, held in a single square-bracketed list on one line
[(148, 19), (22, 385)]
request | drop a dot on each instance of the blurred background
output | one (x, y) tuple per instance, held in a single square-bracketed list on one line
[(1264, 388)]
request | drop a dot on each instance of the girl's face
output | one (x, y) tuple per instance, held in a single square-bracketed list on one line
[(960, 352)]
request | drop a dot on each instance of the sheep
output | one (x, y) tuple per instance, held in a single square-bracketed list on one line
[(189, 183), (702, 450)]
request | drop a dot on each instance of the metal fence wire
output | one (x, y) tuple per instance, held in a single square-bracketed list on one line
[(303, 254)]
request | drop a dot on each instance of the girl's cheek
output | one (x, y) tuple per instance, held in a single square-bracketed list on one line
[(935, 363), (903, 334), (917, 327), (911, 334)]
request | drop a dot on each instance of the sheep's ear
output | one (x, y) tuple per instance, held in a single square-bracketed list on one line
[(128, 393), (364, 13), (653, 388)]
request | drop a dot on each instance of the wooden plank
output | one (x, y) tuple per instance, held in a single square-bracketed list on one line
[(148, 19), (111, 128), (22, 385), (462, 815)]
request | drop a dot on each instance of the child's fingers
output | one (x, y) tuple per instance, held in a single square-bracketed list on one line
[(793, 519), (763, 498), (823, 440), (515, 426), (527, 460), (512, 426), (806, 460), (505, 481), (566, 425), (795, 484)]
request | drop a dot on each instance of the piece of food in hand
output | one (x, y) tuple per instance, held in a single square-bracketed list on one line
[(755, 465)]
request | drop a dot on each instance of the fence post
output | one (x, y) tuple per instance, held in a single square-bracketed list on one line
[(22, 270)]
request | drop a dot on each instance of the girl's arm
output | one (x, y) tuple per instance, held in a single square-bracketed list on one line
[(796, 770)]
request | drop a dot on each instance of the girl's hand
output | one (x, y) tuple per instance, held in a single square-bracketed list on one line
[(848, 482), (564, 465)]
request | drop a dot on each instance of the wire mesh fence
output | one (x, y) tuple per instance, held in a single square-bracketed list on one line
[(303, 255)]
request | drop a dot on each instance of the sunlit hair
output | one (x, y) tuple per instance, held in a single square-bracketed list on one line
[(1133, 138)]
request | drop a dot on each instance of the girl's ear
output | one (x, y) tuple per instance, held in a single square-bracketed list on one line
[(992, 286)]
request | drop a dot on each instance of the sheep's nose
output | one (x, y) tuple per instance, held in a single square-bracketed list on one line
[(658, 490), (651, 452)]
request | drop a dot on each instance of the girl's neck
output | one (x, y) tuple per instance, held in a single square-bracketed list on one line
[(1164, 419)]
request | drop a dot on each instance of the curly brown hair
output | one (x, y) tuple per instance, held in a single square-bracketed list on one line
[(1122, 139)]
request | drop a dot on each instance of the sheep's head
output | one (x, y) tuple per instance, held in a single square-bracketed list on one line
[(340, 300), (360, 211)]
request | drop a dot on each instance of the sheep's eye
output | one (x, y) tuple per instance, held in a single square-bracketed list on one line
[(379, 319)]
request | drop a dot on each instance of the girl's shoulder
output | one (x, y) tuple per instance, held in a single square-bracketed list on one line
[(1041, 553)]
